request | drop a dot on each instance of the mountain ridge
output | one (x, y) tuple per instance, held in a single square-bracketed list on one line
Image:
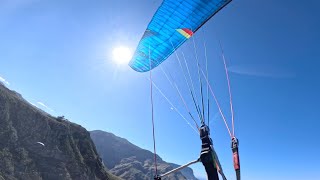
[(35, 145), (129, 161)]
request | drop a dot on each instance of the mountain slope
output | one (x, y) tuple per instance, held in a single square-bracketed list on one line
[(128, 161), (35, 145)]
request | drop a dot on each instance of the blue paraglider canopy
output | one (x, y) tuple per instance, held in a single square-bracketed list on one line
[(174, 22)]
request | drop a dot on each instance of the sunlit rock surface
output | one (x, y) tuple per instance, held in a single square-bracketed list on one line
[(35, 145)]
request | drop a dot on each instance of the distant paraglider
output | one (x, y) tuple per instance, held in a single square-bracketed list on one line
[(40, 143)]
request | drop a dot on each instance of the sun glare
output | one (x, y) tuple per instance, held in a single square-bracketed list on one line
[(122, 55)]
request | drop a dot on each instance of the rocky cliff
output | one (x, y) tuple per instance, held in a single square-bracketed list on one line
[(129, 161), (35, 145)]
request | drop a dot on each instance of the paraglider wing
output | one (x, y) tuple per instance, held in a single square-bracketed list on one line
[(174, 22), (40, 143)]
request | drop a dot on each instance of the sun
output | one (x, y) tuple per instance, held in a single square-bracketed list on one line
[(121, 55)]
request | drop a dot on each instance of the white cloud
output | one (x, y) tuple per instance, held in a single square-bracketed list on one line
[(4, 81), (45, 106), (262, 71)]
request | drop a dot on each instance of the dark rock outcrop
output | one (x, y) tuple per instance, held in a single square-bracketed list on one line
[(35, 145), (129, 161)]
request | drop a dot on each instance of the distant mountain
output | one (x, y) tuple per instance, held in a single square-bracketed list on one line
[(36, 146), (187, 172), (129, 161)]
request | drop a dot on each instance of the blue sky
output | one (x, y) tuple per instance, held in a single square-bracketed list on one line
[(57, 54)]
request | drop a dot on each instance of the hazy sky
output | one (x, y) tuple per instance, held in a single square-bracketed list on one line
[(58, 55)]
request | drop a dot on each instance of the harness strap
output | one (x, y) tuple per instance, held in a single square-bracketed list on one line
[(236, 159)]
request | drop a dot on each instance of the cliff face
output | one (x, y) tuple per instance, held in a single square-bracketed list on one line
[(35, 145), (128, 161)]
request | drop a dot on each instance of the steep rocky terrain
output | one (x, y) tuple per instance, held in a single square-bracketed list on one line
[(128, 161), (35, 145)]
